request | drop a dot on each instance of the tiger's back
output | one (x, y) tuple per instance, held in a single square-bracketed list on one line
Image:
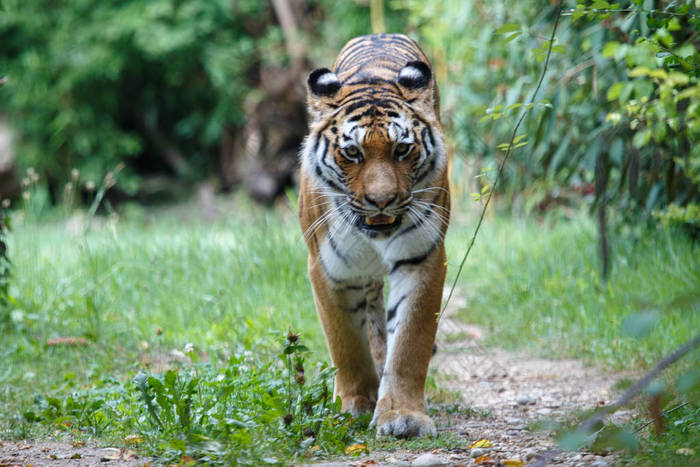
[(374, 204), (377, 59)]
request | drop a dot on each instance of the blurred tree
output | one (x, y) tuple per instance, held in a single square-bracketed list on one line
[(181, 88)]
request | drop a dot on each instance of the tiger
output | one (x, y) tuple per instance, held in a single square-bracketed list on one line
[(374, 202)]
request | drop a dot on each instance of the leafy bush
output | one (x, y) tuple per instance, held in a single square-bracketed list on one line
[(151, 83), (245, 412), (620, 110)]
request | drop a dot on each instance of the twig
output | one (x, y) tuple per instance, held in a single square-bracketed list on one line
[(666, 413), (505, 159), (587, 425), (288, 24)]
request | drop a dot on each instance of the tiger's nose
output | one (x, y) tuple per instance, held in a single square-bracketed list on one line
[(380, 201)]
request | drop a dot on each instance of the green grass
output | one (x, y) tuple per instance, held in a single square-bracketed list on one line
[(139, 288), (538, 286)]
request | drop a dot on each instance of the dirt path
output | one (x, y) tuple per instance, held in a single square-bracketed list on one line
[(58, 454), (506, 394)]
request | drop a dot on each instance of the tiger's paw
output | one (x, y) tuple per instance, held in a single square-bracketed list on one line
[(357, 405), (402, 423)]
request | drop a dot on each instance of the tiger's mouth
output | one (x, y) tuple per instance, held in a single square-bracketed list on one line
[(380, 219), (379, 223)]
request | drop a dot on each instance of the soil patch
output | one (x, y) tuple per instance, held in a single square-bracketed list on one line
[(59, 453)]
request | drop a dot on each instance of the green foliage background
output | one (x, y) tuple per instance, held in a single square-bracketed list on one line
[(89, 83), (621, 98)]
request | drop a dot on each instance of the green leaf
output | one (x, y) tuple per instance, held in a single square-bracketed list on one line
[(573, 440), (609, 49), (508, 27), (513, 36), (614, 91)]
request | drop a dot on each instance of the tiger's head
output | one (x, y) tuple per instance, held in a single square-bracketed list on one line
[(375, 147)]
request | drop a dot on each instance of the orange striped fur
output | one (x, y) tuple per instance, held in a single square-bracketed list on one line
[(374, 204)]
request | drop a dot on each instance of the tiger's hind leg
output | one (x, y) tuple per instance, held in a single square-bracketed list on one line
[(376, 325)]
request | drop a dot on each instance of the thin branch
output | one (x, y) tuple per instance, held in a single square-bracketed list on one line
[(569, 12), (587, 425), (666, 413), (288, 24), (505, 159)]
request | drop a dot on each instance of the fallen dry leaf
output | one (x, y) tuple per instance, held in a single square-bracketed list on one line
[(76, 456), (127, 455), (364, 463), (113, 454), (356, 449), (482, 443), (484, 460), (133, 439), (66, 341), (514, 462), (77, 444)]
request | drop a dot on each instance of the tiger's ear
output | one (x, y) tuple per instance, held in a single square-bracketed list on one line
[(323, 82), (323, 86), (415, 75), (416, 81)]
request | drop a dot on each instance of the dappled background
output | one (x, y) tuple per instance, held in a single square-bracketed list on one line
[(148, 177), (184, 92)]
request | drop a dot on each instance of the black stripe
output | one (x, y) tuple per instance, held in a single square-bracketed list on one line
[(427, 171), (415, 260), (371, 53), (336, 249), (391, 312), (360, 46), (356, 105), (360, 306), (328, 181), (372, 80), (377, 93), (326, 141)]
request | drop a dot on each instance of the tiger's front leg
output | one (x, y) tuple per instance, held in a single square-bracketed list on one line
[(413, 307), (342, 308)]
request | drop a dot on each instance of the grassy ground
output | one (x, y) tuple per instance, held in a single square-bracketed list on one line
[(138, 289)]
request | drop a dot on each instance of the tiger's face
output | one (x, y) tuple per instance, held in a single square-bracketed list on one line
[(373, 151)]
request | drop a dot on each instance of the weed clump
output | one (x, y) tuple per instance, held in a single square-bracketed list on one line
[(241, 412)]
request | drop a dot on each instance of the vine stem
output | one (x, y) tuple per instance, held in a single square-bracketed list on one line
[(505, 159)]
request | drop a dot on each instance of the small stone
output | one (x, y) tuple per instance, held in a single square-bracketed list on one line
[(525, 400), (544, 411), (600, 463), (394, 461), (477, 452), (428, 459)]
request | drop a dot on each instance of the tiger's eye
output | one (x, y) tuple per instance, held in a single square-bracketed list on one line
[(402, 149), (352, 151)]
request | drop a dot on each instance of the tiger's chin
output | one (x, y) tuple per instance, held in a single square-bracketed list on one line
[(381, 224)]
